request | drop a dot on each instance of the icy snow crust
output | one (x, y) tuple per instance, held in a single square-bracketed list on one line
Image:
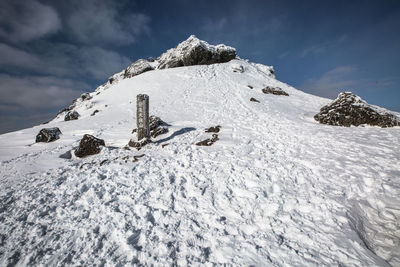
[(276, 189)]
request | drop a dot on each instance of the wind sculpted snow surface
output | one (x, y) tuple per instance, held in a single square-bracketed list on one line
[(276, 189)]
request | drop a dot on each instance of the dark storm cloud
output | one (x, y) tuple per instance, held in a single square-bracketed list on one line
[(22, 21)]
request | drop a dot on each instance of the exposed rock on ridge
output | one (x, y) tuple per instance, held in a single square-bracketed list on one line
[(195, 52), (349, 109)]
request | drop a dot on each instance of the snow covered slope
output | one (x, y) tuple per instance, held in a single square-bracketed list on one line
[(276, 189)]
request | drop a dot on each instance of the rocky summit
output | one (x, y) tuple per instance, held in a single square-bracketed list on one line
[(349, 109), (196, 52)]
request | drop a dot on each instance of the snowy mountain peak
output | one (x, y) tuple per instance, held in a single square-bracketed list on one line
[(238, 173)]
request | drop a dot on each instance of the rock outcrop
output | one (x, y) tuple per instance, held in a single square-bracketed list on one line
[(48, 135), (349, 109), (71, 115), (138, 67), (195, 52), (274, 91), (89, 145)]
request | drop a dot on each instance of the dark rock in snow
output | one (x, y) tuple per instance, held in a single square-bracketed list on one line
[(94, 112), (71, 115), (254, 100), (274, 91), (349, 109), (209, 141), (86, 96), (238, 68), (139, 144), (195, 52), (213, 129), (150, 59), (158, 131), (48, 135), (89, 145), (138, 67), (156, 125)]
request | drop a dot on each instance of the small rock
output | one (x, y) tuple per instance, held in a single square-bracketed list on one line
[(89, 145), (150, 59), (208, 142), (274, 91), (138, 144), (251, 87), (158, 131), (237, 68), (213, 129), (48, 135), (86, 96), (94, 112), (254, 100), (71, 115)]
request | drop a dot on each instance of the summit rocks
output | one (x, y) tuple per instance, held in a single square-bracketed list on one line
[(195, 52)]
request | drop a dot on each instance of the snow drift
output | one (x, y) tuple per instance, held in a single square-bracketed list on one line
[(277, 188)]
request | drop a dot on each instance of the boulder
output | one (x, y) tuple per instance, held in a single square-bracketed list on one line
[(349, 109), (48, 135), (254, 100), (138, 67), (195, 52), (71, 115), (89, 145), (274, 91)]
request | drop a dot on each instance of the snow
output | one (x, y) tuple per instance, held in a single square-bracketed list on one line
[(277, 188)]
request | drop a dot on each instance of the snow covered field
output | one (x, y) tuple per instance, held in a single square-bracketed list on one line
[(276, 189)]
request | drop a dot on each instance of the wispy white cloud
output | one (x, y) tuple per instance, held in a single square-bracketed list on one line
[(332, 82), (11, 56), (65, 60), (320, 48), (345, 78), (22, 21), (37, 92)]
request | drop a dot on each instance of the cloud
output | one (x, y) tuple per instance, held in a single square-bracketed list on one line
[(36, 92), (329, 84), (102, 22), (10, 56), (64, 60), (22, 21), (320, 48)]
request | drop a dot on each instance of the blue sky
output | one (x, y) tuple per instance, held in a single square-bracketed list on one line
[(52, 51)]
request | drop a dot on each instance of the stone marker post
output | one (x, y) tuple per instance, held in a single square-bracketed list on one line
[(142, 116)]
